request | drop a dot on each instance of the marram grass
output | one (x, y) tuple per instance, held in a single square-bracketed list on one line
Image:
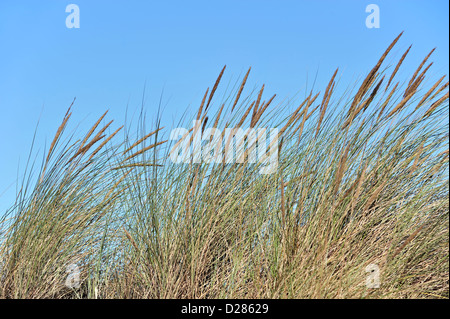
[(362, 180)]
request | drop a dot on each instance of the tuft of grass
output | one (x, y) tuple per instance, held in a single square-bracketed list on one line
[(362, 179)]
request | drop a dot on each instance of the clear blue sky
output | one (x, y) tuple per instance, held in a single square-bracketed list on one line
[(180, 46)]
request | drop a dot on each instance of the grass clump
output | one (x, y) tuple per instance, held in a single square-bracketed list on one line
[(362, 179)]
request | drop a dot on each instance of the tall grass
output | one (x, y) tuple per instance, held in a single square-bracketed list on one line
[(362, 179)]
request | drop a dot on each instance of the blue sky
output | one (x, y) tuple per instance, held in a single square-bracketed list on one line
[(180, 47)]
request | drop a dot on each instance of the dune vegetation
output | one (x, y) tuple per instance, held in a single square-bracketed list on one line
[(362, 179)]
